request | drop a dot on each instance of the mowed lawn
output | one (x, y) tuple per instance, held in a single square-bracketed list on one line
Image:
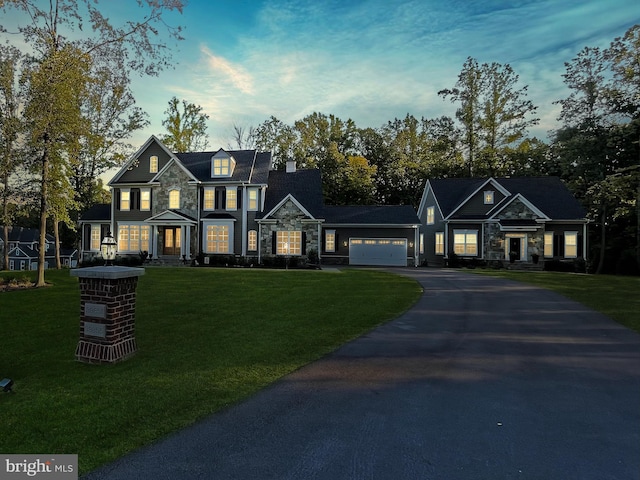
[(616, 296), (207, 338)]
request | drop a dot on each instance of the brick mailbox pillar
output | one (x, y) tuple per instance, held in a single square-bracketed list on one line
[(107, 313)]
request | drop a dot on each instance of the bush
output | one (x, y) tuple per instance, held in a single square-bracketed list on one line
[(627, 264)]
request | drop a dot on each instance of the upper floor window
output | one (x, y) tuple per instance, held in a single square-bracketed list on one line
[(145, 199), (153, 164), (488, 197), (209, 198), (174, 199), (431, 215), (125, 199), (232, 198), (253, 199), (222, 165)]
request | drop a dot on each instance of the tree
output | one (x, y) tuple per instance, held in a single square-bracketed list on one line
[(10, 124), (276, 137), (187, 127), (243, 138), (494, 114), (62, 53)]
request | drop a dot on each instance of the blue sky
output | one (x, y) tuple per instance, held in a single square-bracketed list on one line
[(369, 60)]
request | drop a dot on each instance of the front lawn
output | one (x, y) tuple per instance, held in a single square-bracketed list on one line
[(207, 338), (615, 296)]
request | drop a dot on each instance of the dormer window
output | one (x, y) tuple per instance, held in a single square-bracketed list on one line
[(488, 197), (222, 165)]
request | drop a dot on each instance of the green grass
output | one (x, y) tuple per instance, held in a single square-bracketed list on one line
[(207, 338), (616, 296)]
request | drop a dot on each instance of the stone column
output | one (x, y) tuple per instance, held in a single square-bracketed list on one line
[(107, 313)]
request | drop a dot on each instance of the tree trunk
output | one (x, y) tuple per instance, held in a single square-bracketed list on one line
[(43, 215), (56, 234), (603, 227), (5, 253)]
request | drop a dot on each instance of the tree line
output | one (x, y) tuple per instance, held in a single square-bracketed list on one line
[(67, 112)]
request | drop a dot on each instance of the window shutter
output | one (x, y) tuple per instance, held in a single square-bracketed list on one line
[(556, 245), (118, 199), (87, 237), (304, 243), (136, 199), (580, 252), (223, 199), (337, 245), (273, 242), (216, 198), (239, 198)]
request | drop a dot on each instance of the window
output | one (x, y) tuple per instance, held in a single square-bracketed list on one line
[(439, 249), (174, 199), (209, 198), (431, 215), (232, 196), (153, 164), (133, 238), (465, 242), (289, 243), (222, 166), (95, 238), (145, 199), (330, 241), (422, 243), (217, 239), (548, 244), (253, 199), (488, 198), (125, 199), (570, 244), (253, 241)]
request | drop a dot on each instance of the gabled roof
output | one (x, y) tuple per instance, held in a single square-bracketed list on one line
[(303, 185), (134, 158), (251, 166), (548, 194), (371, 214), (100, 212), (171, 217), (27, 235)]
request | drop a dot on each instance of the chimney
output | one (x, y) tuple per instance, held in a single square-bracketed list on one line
[(291, 166)]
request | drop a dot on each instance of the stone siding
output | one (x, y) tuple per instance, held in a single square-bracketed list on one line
[(175, 177), (289, 218)]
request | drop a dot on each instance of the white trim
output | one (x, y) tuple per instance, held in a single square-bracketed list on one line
[(492, 214), (482, 187), (296, 203), (172, 161), (135, 157), (218, 222)]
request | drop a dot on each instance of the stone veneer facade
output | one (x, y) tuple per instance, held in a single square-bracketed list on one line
[(174, 178), (289, 217)]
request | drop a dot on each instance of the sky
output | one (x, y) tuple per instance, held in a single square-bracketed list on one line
[(369, 60)]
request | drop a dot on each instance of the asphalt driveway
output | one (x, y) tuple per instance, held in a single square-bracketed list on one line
[(482, 379)]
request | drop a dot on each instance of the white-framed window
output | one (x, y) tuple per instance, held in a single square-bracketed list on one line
[(439, 243), (488, 197), (330, 241), (465, 242), (153, 164), (125, 199), (209, 198), (145, 199), (548, 244), (133, 238), (422, 243), (95, 238), (174, 199), (570, 244), (431, 215), (252, 244), (11, 264), (252, 195), (232, 198), (289, 242), (222, 166), (217, 239)]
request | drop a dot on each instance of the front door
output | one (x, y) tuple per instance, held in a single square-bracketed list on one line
[(171, 241), (514, 248)]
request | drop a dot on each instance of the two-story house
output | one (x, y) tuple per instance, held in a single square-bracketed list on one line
[(518, 219), (179, 205)]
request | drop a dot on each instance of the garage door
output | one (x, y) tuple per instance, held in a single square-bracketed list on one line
[(378, 251)]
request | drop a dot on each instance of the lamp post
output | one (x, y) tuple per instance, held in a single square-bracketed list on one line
[(108, 249)]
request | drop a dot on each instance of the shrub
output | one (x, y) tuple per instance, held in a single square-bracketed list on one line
[(627, 264)]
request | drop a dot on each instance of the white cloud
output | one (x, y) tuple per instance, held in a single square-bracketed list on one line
[(221, 69)]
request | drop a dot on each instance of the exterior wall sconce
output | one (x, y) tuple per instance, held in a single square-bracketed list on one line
[(344, 244), (410, 244), (6, 384), (108, 249)]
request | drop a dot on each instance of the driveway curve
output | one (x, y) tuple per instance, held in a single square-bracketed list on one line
[(483, 378)]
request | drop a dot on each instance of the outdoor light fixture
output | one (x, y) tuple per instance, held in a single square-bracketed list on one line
[(108, 249), (6, 384)]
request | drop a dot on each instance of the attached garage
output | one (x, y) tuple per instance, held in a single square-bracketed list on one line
[(378, 251)]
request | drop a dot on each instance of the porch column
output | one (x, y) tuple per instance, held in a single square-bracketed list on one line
[(187, 247)]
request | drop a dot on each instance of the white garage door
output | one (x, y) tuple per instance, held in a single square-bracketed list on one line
[(378, 251)]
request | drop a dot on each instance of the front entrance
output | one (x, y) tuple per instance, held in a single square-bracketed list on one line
[(514, 248), (171, 244)]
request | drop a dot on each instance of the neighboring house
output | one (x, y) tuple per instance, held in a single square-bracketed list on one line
[(523, 219), (181, 205), (23, 246)]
